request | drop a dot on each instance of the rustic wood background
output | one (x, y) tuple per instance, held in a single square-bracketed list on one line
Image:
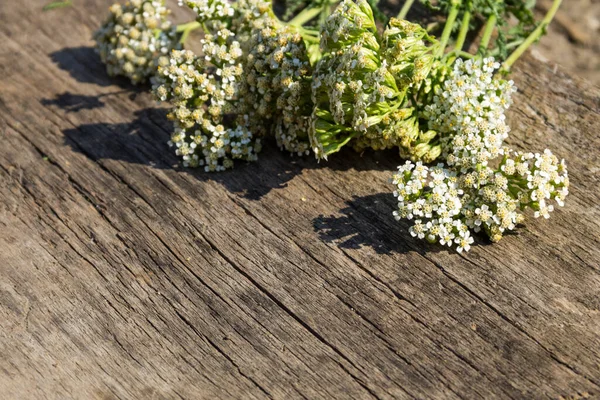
[(125, 276)]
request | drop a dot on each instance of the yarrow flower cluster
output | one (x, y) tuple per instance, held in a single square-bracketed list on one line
[(277, 78), (466, 194), (446, 205), (468, 112), (210, 10), (213, 125), (136, 38), (253, 76), (362, 84), (204, 90), (431, 196)]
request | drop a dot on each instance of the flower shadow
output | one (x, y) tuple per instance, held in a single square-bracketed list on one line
[(367, 222), (84, 65), (129, 141), (71, 102), (144, 141)]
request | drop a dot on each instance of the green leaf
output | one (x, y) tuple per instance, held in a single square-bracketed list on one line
[(57, 4)]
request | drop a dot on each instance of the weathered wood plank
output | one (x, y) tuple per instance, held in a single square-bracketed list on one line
[(124, 276)]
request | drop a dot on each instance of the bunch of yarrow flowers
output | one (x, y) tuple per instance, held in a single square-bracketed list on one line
[(348, 82), (449, 201), (136, 38), (445, 206), (278, 73), (468, 113), (252, 79), (203, 92), (402, 89), (375, 89)]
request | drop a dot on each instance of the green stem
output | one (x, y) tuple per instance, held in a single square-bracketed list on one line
[(305, 15), (448, 28), (309, 38), (325, 11), (184, 37), (487, 33), (57, 4), (186, 29), (534, 36), (405, 8), (464, 54), (464, 29), (189, 26), (511, 45), (314, 53)]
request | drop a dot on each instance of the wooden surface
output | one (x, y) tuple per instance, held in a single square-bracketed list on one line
[(124, 276)]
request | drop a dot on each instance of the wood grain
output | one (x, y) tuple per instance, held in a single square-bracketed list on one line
[(125, 276)]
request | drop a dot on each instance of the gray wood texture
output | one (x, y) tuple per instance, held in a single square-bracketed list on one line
[(125, 276)]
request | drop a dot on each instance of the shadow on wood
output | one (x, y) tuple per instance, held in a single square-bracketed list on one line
[(363, 223), (367, 222), (71, 102), (85, 66), (144, 141)]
